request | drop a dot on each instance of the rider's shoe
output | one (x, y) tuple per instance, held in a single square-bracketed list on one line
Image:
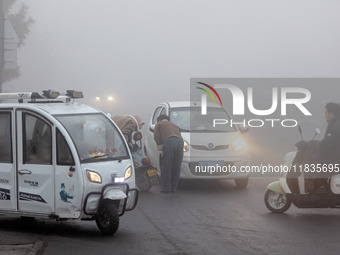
[(321, 190)]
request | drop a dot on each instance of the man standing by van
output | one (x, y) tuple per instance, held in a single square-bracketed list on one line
[(169, 140)]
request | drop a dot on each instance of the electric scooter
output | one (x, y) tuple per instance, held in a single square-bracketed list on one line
[(299, 185), (146, 174)]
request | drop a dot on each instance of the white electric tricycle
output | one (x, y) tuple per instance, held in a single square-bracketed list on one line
[(63, 160)]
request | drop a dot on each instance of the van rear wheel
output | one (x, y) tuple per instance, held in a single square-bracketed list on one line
[(107, 217)]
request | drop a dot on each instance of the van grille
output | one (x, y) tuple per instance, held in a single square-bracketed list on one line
[(203, 147)]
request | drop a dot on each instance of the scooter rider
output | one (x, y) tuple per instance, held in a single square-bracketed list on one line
[(128, 124), (330, 145)]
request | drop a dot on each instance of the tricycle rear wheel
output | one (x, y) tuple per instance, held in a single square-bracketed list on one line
[(107, 217)]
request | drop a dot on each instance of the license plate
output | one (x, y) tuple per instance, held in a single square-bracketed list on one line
[(214, 163), (152, 172)]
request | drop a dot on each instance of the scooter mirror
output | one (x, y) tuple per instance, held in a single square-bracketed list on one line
[(137, 136), (300, 131)]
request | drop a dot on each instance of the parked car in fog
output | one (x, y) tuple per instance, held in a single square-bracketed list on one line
[(210, 151)]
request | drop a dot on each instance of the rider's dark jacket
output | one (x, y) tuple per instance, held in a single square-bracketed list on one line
[(330, 145), (126, 124)]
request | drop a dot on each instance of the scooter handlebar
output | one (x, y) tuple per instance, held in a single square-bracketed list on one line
[(301, 144)]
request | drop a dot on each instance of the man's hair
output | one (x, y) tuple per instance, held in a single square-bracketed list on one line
[(163, 117), (334, 108)]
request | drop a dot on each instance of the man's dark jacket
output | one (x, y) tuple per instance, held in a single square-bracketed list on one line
[(330, 145)]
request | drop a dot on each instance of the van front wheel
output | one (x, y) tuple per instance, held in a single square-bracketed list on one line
[(241, 183), (107, 217)]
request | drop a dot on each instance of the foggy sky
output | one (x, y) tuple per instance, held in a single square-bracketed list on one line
[(144, 52), (148, 50)]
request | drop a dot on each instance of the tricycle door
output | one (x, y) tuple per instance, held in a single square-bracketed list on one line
[(7, 159), (35, 168), (68, 178)]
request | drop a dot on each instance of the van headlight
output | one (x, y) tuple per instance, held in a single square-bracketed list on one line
[(94, 176), (185, 146), (128, 173), (238, 144)]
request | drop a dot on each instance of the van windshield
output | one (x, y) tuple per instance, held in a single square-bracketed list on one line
[(95, 137), (190, 119)]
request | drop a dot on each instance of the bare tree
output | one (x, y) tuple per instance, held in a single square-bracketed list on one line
[(22, 23)]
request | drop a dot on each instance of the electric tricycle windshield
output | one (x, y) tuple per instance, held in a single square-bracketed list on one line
[(95, 137)]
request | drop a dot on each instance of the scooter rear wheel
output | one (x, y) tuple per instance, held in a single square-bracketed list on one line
[(277, 202), (142, 180)]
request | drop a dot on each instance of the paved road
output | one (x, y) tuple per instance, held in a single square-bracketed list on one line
[(202, 218)]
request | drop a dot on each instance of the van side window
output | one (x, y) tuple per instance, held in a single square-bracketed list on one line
[(37, 140), (163, 112), (64, 155), (156, 114), (5, 137)]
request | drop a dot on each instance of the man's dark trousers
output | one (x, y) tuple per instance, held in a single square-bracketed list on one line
[(171, 164)]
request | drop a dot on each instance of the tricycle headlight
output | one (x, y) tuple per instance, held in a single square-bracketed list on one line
[(185, 146), (238, 144), (128, 173), (93, 176)]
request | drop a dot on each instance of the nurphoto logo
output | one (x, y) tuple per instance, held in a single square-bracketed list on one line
[(280, 99)]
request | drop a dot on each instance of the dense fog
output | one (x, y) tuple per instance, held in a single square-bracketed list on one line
[(142, 53)]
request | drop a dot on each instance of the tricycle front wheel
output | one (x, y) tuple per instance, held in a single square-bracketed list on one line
[(277, 202), (107, 217)]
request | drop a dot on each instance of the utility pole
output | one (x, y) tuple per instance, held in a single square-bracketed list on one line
[(2, 38)]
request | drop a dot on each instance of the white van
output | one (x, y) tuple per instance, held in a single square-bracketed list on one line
[(209, 152), (63, 160)]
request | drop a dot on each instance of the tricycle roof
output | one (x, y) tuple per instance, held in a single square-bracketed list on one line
[(53, 108)]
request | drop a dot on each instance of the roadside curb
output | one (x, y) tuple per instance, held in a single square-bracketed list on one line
[(21, 249)]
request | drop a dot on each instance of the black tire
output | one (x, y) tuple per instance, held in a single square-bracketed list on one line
[(107, 217), (241, 183), (277, 202), (142, 180)]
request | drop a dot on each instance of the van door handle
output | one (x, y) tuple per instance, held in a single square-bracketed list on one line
[(25, 171)]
